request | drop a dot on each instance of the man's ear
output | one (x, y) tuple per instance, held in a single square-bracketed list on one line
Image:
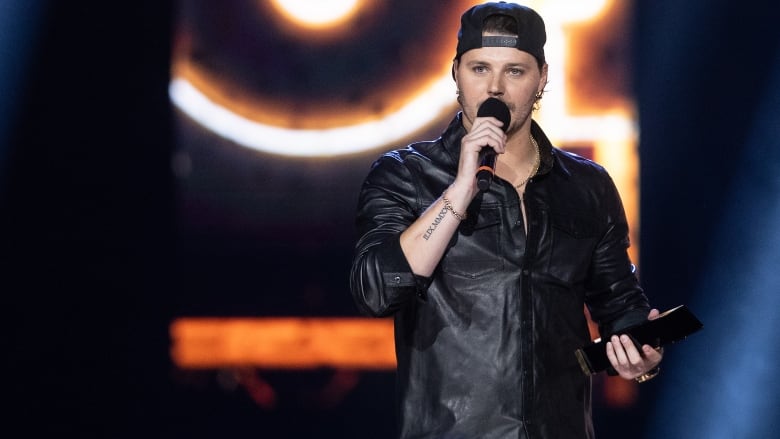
[(543, 77), (454, 68)]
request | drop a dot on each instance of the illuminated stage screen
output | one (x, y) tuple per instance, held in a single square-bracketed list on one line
[(280, 111)]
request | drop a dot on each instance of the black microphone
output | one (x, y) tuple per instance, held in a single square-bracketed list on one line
[(492, 107)]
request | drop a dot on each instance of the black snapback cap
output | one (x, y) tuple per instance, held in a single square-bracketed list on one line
[(531, 34)]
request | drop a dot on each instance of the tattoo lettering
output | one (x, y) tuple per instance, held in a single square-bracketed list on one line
[(435, 223)]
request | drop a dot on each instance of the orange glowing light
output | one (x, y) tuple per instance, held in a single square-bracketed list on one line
[(283, 343), (420, 94), (319, 14)]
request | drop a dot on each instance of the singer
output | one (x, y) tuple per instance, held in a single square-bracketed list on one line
[(487, 287)]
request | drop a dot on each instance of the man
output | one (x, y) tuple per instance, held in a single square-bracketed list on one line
[(488, 288)]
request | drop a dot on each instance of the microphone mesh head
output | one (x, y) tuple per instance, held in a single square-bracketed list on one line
[(493, 107)]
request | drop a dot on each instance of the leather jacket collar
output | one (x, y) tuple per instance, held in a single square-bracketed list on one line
[(455, 131)]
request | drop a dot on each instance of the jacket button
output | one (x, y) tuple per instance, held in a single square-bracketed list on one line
[(397, 279), (526, 271)]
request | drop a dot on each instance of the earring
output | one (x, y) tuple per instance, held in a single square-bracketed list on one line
[(538, 95)]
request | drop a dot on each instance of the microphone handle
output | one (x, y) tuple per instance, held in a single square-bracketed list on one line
[(487, 167)]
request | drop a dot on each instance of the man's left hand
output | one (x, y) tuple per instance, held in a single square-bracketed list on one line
[(627, 360)]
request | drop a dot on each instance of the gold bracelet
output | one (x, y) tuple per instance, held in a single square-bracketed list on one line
[(648, 376), (448, 206)]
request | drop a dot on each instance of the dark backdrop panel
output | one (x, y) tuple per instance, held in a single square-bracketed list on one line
[(704, 71), (87, 225)]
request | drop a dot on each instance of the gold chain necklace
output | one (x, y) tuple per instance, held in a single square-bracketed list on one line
[(537, 161)]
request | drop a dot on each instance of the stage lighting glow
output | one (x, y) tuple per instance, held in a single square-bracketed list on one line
[(418, 112), (415, 115), (726, 384), (572, 11), (290, 343), (317, 14)]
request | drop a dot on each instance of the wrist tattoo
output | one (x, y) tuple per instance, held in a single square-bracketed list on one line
[(435, 223)]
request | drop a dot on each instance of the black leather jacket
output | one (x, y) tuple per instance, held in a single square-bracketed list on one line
[(485, 347)]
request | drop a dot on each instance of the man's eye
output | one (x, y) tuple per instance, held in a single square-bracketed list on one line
[(515, 72), (480, 69)]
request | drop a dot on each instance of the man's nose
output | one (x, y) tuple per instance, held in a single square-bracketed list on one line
[(496, 86)]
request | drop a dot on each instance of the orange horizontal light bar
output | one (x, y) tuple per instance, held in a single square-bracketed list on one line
[(283, 343)]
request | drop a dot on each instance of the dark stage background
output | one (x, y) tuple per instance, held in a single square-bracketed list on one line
[(102, 248)]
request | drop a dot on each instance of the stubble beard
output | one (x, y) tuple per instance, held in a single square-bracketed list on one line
[(514, 126)]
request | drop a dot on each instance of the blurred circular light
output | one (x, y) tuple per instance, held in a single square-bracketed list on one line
[(419, 111), (317, 14)]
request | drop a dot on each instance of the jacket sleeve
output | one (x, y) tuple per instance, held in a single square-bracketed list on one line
[(615, 298), (381, 280)]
